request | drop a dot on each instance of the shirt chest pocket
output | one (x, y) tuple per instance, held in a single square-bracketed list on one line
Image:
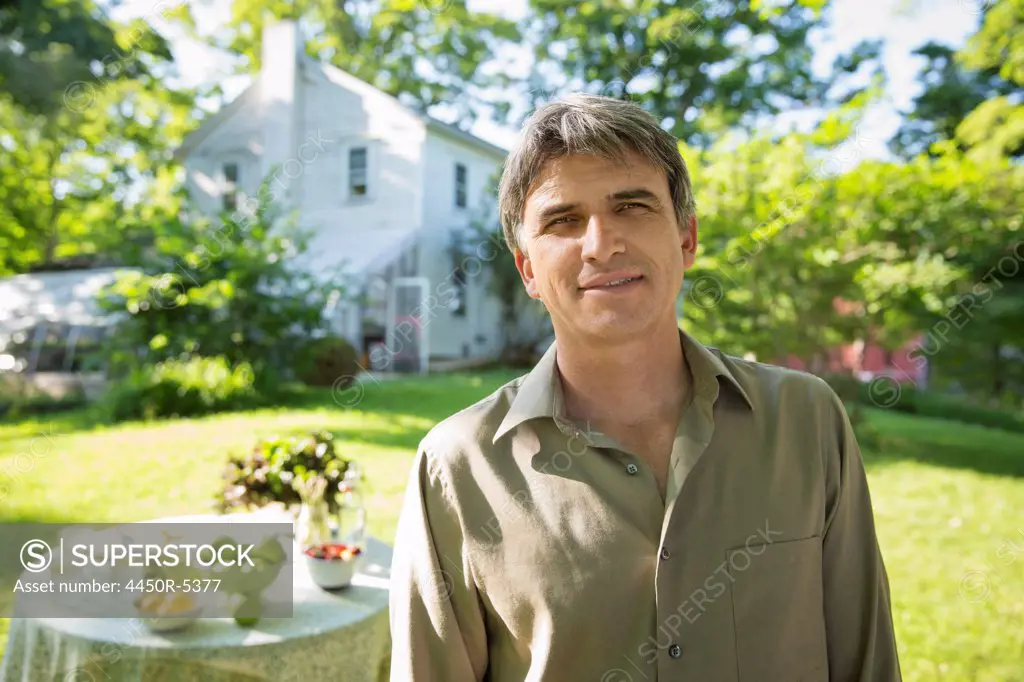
[(778, 611)]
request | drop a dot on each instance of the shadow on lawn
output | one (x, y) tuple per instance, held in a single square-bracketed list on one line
[(948, 444), (433, 398), (29, 427)]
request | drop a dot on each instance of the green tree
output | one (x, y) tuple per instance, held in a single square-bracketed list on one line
[(425, 52), (972, 96), (88, 128), (699, 68), (999, 42), (796, 259), (47, 46), (951, 93), (996, 127), (965, 206), (769, 270), (233, 288), (937, 248)]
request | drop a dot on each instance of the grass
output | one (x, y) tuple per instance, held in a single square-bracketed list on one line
[(948, 498)]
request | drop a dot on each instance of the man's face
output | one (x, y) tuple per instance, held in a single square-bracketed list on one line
[(589, 222)]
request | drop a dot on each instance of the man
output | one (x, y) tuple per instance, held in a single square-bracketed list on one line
[(638, 506)]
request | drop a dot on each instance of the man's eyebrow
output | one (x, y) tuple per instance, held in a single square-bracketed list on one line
[(638, 193), (551, 211)]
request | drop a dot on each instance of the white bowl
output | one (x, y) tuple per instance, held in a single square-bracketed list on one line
[(331, 574)]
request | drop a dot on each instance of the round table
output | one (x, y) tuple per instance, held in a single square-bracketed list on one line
[(337, 635)]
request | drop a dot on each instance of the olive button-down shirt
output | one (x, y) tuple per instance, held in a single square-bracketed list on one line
[(530, 548)]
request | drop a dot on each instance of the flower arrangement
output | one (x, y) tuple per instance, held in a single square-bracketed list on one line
[(277, 469)]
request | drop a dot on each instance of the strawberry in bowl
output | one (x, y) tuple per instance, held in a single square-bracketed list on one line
[(332, 565), (333, 551)]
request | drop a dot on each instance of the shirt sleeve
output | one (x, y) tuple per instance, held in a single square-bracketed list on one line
[(437, 623), (858, 615)]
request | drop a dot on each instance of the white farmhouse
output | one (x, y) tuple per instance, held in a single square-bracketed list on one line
[(383, 188)]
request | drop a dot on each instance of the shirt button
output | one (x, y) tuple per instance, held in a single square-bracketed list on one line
[(675, 651), (665, 554), (631, 469)]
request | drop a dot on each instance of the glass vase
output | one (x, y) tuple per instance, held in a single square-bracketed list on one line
[(313, 523), (350, 520)]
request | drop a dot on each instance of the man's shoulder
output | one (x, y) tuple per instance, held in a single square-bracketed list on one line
[(471, 430), (775, 387)]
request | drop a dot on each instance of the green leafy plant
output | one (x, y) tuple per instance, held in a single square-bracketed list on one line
[(934, 404), (181, 388), (267, 473), (329, 361), (857, 395), (236, 288)]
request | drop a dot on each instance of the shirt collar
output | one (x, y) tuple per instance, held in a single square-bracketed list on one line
[(540, 392)]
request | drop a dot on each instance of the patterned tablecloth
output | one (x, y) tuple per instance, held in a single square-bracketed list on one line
[(339, 635)]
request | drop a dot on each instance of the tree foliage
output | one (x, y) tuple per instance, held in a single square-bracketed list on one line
[(972, 96), (951, 93), (88, 128), (698, 67), (770, 268), (233, 289), (425, 52), (795, 261)]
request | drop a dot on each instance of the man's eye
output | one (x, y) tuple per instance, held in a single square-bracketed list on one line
[(631, 204), (561, 220)]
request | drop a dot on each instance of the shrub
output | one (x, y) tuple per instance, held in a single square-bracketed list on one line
[(267, 472), (330, 361), (235, 288), (182, 388), (13, 407), (931, 404), (927, 404)]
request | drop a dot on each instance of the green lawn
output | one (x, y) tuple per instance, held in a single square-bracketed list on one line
[(948, 498)]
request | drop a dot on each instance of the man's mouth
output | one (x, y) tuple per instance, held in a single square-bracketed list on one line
[(618, 282), (613, 284)]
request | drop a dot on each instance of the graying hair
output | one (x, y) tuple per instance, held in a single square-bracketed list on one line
[(590, 125)]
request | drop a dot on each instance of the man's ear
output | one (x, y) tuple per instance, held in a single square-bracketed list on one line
[(525, 268), (688, 241)]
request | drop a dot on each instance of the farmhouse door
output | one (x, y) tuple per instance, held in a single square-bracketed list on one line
[(407, 337)]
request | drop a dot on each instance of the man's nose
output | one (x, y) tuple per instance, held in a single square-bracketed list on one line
[(602, 239)]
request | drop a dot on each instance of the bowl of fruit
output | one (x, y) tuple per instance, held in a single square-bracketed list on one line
[(167, 611), (332, 565)]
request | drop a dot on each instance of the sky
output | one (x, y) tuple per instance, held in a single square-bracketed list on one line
[(902, 24)]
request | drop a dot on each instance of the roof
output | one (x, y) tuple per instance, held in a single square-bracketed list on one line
[(360, 253), (344, 78), (463, 136), (211, 122), (66, 297), (340, 77)]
